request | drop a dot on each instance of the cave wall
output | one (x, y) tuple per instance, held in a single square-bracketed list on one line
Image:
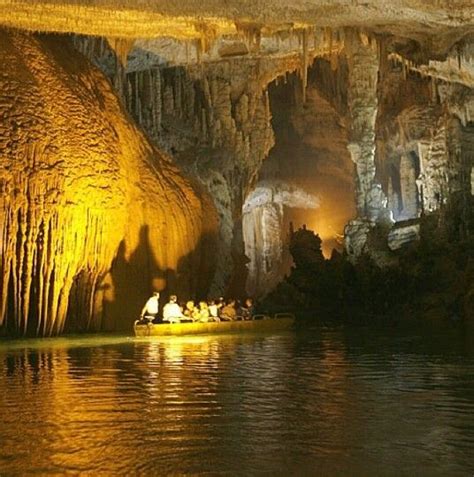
[(424, 142), (201, 103), (92, 216), (209, 108)]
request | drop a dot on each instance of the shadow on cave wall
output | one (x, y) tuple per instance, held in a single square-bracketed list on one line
[(133, 280)]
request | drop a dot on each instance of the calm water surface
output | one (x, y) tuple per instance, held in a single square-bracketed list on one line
[(324, 401)]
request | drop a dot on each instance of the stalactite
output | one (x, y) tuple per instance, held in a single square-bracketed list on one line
[(328, 40), (251, 33), (198, 48), (207, 33), (433, 90), (304, 63), (122, 47), (455, 68)]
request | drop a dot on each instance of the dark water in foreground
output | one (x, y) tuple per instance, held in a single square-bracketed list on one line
[(327, 401)]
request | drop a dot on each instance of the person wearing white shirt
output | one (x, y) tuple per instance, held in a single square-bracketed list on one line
[(150, 310), (172, 311), (214, 311)]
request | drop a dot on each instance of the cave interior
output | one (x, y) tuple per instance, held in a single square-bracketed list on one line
[(171, 146)]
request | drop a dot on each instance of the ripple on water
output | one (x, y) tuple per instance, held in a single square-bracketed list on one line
[(327, 401)]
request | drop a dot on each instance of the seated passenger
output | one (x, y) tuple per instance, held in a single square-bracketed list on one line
[(171, 311), (203, 312), (191, 311), (150, 310), (228, 312), (186, 318), (247, 310), (214, 311), (220, 303)]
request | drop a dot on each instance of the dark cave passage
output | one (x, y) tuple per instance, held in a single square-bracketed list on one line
[(308, 177)]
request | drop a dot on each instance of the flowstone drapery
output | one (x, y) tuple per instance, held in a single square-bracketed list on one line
[(88, 208)]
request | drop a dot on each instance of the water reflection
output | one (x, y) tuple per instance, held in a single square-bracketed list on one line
[(329, 401)]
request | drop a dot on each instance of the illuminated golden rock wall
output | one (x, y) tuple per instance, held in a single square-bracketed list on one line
[(92, 217)]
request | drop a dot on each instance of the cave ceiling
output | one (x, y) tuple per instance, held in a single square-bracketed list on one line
[(436, 24)]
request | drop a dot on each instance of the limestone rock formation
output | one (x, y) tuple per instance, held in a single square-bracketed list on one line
[(425, 141), (266, 231), (402, 234), (213, 117), (92, 217), (311, 155), (199, 108), (389, 85)]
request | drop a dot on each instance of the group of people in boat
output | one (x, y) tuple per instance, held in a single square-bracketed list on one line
[(202, 312)]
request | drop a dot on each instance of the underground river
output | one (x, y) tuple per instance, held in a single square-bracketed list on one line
[(328, 400)]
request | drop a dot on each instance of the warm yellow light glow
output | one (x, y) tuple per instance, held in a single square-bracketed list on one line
[(328, 221), (331, 238), (86, 190)]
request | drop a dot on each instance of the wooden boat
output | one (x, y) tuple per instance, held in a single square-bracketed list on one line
[(280, 321)]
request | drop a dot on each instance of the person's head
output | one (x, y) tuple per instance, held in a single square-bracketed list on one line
[(202, 305), (173, 299), (190, 305), (231, 302), (212, 302), (157, 294), (248, 302)]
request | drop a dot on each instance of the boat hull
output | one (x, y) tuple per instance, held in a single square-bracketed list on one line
[(179, 329)]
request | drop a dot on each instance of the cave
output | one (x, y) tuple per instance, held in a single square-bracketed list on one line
[(174, 147)]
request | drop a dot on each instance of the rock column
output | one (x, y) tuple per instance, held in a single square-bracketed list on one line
[(363, 61), (408, 187)]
